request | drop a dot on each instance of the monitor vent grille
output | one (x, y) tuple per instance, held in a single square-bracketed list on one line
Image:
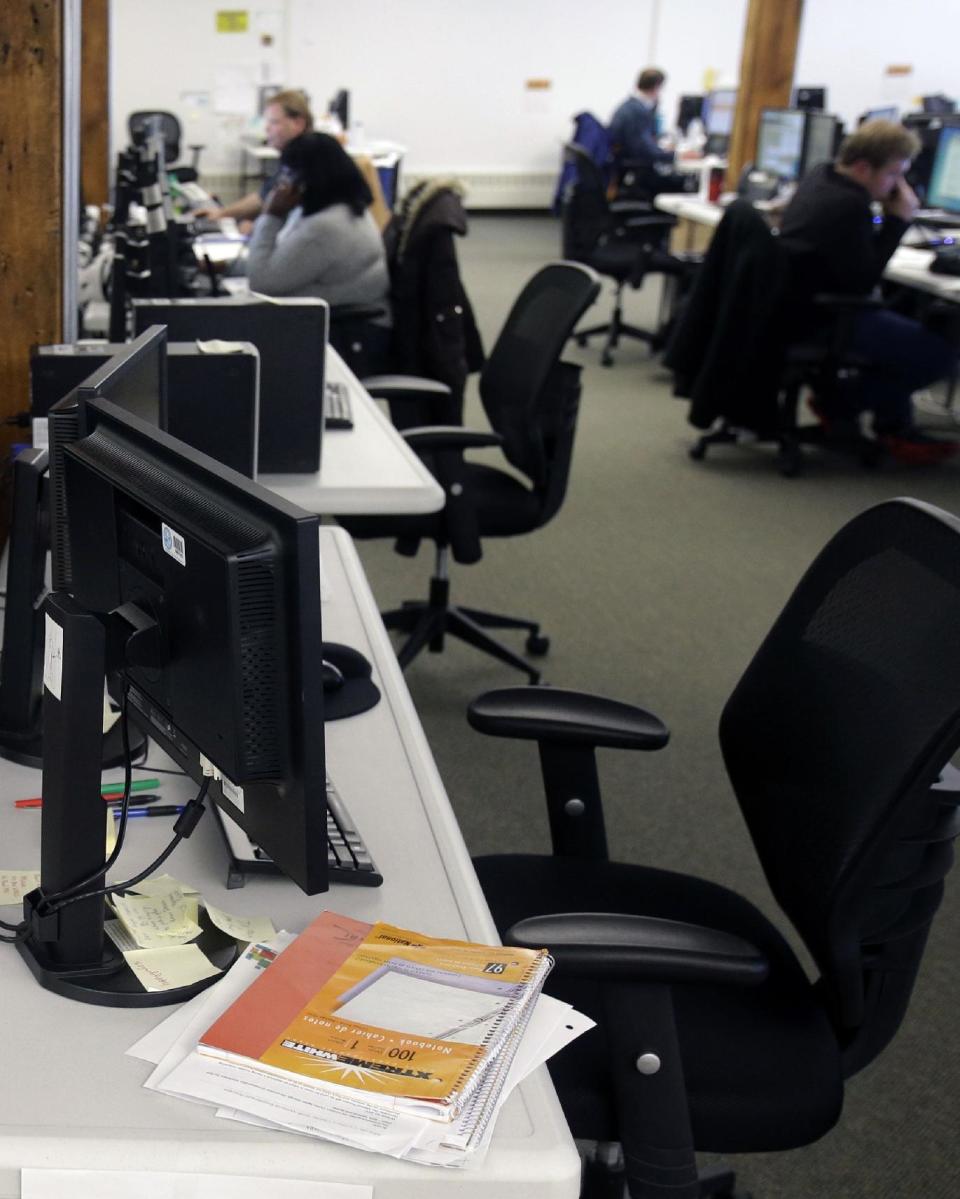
[(64, 430), (260, 686)]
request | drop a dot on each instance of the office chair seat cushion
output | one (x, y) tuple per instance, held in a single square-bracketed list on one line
[(505, 507), (761, 1064), (617, 260)]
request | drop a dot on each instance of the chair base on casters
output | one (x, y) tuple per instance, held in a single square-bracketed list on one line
[(613, 330), (428, 622), (602, 1175)]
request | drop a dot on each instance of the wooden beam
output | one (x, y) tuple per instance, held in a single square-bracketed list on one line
[(767, 65), (95, 102), (31, 196)]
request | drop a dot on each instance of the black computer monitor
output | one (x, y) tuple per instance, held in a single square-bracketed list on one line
[(718, 112), (690, 108), (198, 593), (944, 189), (135, 379), (927, 127), (939, 105), (339, 107), (819, 140), (811, 99), (888, 112), (291, 336), (780, 142), (212, 393)]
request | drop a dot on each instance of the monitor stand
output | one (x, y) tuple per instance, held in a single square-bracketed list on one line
[(27, 749), (65, 946)]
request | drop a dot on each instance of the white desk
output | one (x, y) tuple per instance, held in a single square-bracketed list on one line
[(908, 266), (366, 470), (72, 1099)]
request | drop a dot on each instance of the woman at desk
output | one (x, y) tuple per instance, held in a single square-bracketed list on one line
[(316, 235)]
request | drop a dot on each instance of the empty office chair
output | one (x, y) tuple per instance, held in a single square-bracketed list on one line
[(172, 132), (624, 240), (732, 355), (711, 1035), (531, 399)]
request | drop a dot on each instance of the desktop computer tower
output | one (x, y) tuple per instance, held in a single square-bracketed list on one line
[(291, 335), (212, 394)]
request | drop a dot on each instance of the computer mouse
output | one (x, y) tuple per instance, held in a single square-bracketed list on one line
[(331, 676)]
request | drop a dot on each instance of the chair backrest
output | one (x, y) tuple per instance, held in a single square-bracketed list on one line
[(834, 739), (522, 385), (169, 128), (584, 210), (592, 137)]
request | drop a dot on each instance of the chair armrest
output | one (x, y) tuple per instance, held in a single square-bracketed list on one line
[(449, 437), (385, 387), (636, 207), (355, 312), (608, 945), (575, 718), (662, 221)]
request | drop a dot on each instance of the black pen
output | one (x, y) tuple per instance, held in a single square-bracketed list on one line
[(165, 810)]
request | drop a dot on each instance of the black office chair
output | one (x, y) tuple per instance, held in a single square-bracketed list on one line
[(137, 124), (711, 1037), (624, 240), (732, 354), (531, 400)]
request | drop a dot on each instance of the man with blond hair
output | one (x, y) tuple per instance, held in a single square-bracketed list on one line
[(840, 230), (286, 116)]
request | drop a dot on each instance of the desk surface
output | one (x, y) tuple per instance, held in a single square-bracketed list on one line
[(368, 470), (72, 1099), (909, 265)]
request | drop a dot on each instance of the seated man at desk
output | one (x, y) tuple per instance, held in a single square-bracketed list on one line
[(634, 132), (837, 244), (285, 117), (316, 235)]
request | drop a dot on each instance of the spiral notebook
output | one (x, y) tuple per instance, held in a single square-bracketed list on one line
[(398, 1019)]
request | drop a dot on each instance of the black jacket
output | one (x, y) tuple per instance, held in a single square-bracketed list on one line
[(727, 351), (434, 331)]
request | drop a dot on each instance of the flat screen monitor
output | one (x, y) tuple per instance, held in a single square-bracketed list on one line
[(780, 142), (819, 140), (291, 336), (689, 109), (927, 126), (884, 113), (811, 99), (134, 379), (719, 110), (944, 189), (940, 105), (212, 393)]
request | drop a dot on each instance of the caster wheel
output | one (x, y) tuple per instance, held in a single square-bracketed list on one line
[(581, 341), (606, 360), (697, 452), (537, 644)]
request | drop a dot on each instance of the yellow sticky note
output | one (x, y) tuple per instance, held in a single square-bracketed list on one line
[(233, 20), (14, 884), (165, 969), (161, 884), (156, 921), (244, 928)]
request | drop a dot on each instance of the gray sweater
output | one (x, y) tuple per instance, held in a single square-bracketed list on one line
[(332, 254)]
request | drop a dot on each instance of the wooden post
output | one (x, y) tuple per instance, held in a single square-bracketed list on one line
[(766, 74), (31, 198), (95, 103)]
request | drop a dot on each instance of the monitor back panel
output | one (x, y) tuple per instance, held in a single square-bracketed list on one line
[(291, 336), (212, 397)]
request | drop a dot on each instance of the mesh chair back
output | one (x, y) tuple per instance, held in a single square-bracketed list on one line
[(834, 739), (520, 385), (169, 128)]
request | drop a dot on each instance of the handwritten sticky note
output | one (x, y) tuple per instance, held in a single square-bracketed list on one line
[(160, 884), (14, 884), (156, 921), (244, 928), (165, 969)]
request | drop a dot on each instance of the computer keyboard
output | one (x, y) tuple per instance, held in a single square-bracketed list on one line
[(337, 413), (348, 859), (946, 261)]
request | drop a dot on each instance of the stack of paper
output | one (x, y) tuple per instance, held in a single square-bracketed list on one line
[(368, 1035)]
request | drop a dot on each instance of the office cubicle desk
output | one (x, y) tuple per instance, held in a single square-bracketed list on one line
[(909, 265), (367, 470), (71, 1099)]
